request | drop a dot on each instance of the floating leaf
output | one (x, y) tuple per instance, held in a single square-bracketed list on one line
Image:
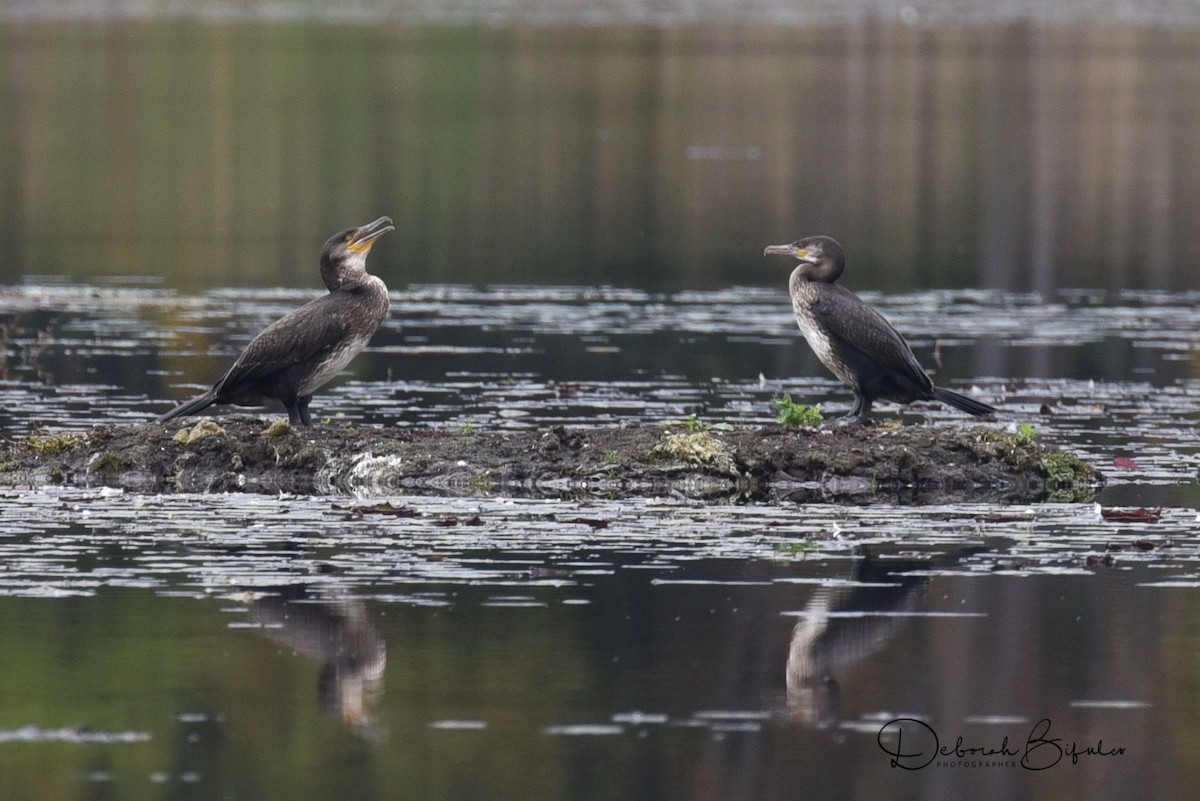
[(1125, 463), (385, 508), (595, 523), (1005, 518), (1132, 515)]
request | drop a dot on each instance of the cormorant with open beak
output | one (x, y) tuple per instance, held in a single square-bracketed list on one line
[(853, 340), (300, 352)]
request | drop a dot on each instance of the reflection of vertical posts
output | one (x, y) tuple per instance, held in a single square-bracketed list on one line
[(893, 116), (15, 85), (221, 81), (1046, 151), (409, 80), (1183, 88), (853, 179), (1142, 198), (1160, 119), (304, 177), (621, 133), (1045, 154), (1003, 172), (1159, 186), (949, 191), (786, 92), (1120, 110), (1004, 156), (675, 59), (925, 188)]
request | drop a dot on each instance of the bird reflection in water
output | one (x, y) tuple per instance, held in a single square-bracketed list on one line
[(336, 631), (826, 642)]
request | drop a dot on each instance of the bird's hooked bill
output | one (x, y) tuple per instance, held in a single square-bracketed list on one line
[(785, 250), (365, 236)]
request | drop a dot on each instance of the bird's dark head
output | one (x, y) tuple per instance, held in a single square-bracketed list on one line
[(344, 256), (821, 257)]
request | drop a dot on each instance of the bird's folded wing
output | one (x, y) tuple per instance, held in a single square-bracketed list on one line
[(302, 336), (857, 326)]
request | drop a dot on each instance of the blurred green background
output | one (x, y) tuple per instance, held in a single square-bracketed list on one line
[(222, 147)]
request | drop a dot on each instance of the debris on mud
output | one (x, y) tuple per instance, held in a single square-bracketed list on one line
[(917, 464)]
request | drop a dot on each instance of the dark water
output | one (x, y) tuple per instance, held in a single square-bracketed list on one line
[(310, 648), (633, 650), (582, 210)]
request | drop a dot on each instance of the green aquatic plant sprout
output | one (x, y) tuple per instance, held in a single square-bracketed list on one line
[(792, 414), (796, 547), (1065, 469), (1027, 432)]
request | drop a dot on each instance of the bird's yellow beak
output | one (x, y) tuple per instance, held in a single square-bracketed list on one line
[(364, 237)]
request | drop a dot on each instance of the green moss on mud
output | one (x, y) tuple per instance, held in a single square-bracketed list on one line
[(44, 444), (109, 462)]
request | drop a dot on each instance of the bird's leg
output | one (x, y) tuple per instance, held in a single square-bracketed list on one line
[(860, 408), (858, 412), (302, 406), (295, 416), (863, 404), (857, 407)]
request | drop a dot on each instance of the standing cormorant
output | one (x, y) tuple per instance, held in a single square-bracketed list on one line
[(298, 353), (853, 340)]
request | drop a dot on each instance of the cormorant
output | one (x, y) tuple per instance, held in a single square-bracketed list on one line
[(298, 353), (852, 339)]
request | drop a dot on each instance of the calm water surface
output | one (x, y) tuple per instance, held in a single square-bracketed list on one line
[(644, 649), (581, 211), (262, 647)]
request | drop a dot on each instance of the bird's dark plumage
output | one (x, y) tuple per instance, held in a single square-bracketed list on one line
[(298, 353), (853, 340)]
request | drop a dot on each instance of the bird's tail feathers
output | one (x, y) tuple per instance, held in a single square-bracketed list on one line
[(196, 404), (964, 403)]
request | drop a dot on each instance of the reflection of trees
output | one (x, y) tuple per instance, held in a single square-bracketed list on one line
[(1019, 156), (336, 631), (843, 625)]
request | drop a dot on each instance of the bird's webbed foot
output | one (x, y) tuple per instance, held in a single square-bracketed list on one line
[(857, 416)]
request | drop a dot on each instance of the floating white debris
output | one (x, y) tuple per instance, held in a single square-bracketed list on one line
[(69, 734), (639, 718), (733, 714), (584, 730), (458, 725), (1111, 704)]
